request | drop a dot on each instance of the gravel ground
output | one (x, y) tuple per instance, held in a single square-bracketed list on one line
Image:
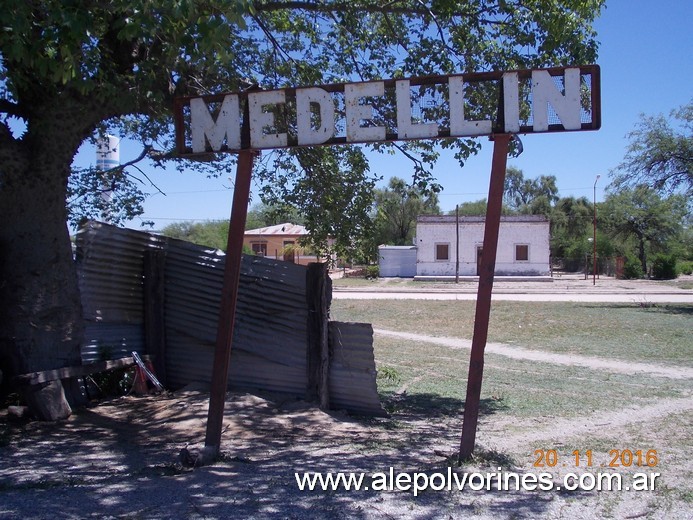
[(120, 460)]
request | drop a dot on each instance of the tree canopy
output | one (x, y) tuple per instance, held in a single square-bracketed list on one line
[(646, 217), (70, 71), (397, 206), (535, 196), (660, 154), (117, 67)]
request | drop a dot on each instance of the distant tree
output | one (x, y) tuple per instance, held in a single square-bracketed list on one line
[(471, 209), (262, 215), (516, 189), (571, 219), (533, 196), (643, 215), (475, 208), (212, 233), (660, 154), (397, 207)]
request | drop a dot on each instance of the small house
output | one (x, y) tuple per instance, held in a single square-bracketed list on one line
[(523, 245), (397, 261), (280, 242)]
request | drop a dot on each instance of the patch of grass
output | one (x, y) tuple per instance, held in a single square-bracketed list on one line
[(629, 332), (434, 381), (490, 458), (388, 374)]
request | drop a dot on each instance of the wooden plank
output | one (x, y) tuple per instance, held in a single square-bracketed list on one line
[(318, 344), (34, 378)]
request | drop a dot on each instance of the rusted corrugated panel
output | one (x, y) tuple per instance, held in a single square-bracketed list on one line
[(109, 266), (270, 340), (352, 369)]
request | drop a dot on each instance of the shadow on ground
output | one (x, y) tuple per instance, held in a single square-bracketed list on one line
[(120, 459)]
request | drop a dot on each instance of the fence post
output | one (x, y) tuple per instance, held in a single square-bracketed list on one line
[(154, 316), (318, 296)]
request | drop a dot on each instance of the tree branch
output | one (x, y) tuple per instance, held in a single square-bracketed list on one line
[(388, 8), (11, 109)]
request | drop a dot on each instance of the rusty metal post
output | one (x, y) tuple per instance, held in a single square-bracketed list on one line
[(483, 300), (227, 310)]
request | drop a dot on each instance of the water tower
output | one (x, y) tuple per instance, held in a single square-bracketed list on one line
[(107, 157)]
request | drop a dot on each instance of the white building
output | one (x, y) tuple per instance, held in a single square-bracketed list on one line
[(523, 245), (397, 261)]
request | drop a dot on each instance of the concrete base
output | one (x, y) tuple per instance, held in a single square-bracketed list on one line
[(504, 278)]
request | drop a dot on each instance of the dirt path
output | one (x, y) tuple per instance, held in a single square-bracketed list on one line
[(609, 365), (590, 425)]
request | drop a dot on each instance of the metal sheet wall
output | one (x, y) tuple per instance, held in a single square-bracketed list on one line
[(270, 339), (271, 335), (352, 369), (109, 266)]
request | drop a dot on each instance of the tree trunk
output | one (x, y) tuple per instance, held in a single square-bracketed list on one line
[(641, 254), (40, 315)]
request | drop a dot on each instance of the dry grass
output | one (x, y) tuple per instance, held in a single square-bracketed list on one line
[(630, 332)]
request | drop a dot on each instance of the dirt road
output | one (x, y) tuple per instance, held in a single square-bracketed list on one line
[(566, 288)]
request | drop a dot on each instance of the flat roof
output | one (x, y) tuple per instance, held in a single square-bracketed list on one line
[(450, 219)]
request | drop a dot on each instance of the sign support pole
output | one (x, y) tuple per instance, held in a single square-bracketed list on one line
[(229, 297), (483, 300)]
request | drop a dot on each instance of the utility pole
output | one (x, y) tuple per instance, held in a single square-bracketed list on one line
[(457, 243), (594, 235)]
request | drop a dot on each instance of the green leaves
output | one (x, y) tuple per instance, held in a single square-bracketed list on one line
[(660, 154), (122, 62)]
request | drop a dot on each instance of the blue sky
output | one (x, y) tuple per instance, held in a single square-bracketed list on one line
[(646, 62)]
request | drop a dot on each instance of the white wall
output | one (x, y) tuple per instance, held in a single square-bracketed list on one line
[(534, 233), (397, 261)]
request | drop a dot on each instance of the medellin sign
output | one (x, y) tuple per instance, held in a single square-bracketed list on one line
[(462, 105), (497, 104)]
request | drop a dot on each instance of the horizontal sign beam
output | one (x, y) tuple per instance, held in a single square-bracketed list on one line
[(435, 107)]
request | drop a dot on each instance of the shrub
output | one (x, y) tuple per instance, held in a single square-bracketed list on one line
[(664, 267), (372, 271), (632, 268), (685, 267)]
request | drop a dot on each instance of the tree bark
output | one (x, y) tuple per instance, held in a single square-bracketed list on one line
[(40, 311), (641, 253)]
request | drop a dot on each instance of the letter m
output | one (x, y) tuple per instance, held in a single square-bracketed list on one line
[(227, 126)]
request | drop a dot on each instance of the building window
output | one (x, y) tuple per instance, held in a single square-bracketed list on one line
[(521, 253), (260, 249), (442, 252)]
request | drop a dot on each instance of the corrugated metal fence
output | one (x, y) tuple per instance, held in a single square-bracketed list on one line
[(270, 350)]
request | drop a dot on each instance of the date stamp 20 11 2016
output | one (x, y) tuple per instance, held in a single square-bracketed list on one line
[(617, 458)]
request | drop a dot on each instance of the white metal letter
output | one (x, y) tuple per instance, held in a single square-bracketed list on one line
[(405, 128), (567, 107), (511, 102), (259, 119), (355, 113), (227, 125), (459, 126), (306, 133)]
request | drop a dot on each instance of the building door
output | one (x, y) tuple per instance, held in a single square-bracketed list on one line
[(479, 250), (289, 251)]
